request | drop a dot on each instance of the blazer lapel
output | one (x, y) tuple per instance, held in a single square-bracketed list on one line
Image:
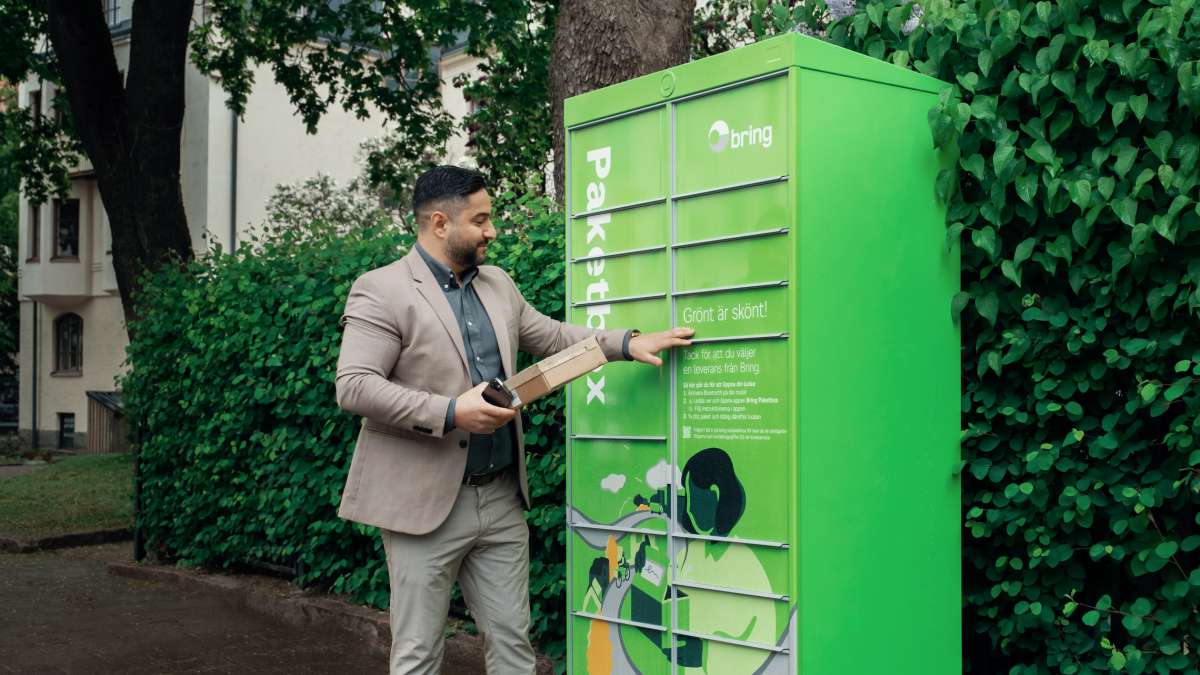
[(494, 304), (428, 287)]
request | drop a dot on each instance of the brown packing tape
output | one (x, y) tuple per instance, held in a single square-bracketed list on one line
[(556, 370)]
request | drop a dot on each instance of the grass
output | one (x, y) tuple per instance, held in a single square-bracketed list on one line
[(75, 494)]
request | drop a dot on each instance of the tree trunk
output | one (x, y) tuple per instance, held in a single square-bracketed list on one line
[(131, 132), (601, 43)]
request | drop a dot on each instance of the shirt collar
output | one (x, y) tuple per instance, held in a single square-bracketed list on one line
[(443, 274)]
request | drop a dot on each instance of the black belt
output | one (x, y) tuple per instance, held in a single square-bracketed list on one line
[(478, 479)]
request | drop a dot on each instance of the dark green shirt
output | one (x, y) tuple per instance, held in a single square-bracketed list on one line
[(486, 453)]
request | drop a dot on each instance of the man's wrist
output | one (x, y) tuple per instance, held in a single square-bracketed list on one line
[(629, 335)]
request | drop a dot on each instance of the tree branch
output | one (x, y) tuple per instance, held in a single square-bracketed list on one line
[(86, 60)]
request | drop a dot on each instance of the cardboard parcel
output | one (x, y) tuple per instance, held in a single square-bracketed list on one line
[(554, 371)]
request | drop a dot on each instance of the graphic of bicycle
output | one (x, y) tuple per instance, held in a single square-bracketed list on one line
[(624, 572)]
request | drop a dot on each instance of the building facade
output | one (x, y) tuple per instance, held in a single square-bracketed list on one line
[(72, 337)]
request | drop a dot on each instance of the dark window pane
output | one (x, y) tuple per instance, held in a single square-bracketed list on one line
[(35, 231), (68, 343), (35, 106), (66, 430), (67, 235)]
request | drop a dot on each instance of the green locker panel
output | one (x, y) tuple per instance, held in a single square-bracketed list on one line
[(780, 497)]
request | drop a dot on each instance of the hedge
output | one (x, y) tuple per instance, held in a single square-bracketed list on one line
[(1076, 199), (242, 449)]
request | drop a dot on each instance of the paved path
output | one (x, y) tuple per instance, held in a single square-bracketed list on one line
[(62, 612), (9, 470)]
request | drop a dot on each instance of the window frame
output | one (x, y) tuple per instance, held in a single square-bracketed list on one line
[(58, 204), (74, 365), (62, 430), (112, 12), (35, 233), (35, 107)]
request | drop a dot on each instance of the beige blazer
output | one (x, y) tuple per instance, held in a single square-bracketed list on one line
[(402, 359)]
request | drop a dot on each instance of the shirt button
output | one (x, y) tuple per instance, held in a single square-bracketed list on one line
[(470, 324), (477, 358)]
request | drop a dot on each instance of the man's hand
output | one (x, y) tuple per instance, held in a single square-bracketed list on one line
[(644, 347), (473, 413)]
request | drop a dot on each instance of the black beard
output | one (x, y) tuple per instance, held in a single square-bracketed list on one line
[(464, 257)]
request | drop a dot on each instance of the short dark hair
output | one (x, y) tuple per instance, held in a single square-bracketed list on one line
[(444, 183)]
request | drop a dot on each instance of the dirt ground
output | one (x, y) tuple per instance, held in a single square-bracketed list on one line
[(62, 612)]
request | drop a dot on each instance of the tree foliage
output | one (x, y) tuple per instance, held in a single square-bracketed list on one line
[(367, 57)]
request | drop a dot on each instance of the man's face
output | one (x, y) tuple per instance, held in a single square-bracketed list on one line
[(469, 232)]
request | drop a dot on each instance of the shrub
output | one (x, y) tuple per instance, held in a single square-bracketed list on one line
[(1077, 193), (243, 451)]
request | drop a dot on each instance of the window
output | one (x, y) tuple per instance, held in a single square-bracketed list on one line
[(66, 229), (35, 231), (66, 430), (68, 344), (112, 12), (35, 107)]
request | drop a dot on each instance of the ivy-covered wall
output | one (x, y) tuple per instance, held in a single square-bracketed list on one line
[(1077, 200)]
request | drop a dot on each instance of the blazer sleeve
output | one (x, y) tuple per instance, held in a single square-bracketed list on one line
[(542, 336), (371, 348)]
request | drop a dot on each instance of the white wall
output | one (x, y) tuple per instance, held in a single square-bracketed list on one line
[(273, 147)]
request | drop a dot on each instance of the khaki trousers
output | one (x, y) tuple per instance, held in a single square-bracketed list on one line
[(484, 544)]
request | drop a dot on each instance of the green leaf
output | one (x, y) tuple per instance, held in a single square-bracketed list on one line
[(1080, 191), (1027, 185), (1002, 158), (1141, 607), (988, 307), (1120, 110), (1064, 81), (985, 61), (1091, 618), (1160, 145), (1126, 210), (1177, 389), (985, 239), (953, 234), (1010, 21), (1096, 51), (1148, 391), (1166, 549), (958, 303), (1117, 660), (1166, 175), (1125, 155), (1144, 177), (1024, 250), (1011, 271), (1106, 185), (875, 13), (1041, 152), (974, 165), (1138, 105)]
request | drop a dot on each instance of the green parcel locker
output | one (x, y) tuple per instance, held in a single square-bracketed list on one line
[(780, 497)]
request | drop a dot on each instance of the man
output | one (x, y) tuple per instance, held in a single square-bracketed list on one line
[(439, 471)]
